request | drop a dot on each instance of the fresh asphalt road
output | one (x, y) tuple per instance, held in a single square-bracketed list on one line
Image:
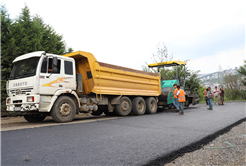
[(132, 140)]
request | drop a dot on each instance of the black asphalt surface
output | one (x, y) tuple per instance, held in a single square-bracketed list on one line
[(132, 140)]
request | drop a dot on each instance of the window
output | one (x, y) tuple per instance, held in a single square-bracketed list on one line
[(24, 68), (50, 64), (68, 67), (44, 66), (89, 76)]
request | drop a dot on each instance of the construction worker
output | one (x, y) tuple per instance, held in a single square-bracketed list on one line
[(181, 98), (205, 95), (176, 101)]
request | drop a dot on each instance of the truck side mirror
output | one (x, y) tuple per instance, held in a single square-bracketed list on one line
[(55, 61)]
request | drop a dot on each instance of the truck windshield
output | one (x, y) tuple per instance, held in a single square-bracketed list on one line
[(24, 68)]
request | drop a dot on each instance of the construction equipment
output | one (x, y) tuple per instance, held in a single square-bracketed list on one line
[(166, 99), (43, 84)]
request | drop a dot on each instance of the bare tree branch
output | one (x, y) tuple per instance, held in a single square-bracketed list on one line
[(162, 54)]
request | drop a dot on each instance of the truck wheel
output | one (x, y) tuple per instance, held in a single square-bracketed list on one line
[(151, 105), (34, 118), (97, 112), (138, 106), (64, 109), (125, 107)]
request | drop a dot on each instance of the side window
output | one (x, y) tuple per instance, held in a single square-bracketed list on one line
[(68, 67), (44, 66), (50, 64)]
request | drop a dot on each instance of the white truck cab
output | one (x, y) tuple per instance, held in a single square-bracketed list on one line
[(37, 79)]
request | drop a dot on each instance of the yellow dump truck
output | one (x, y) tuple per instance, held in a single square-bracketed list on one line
[(44, 84)]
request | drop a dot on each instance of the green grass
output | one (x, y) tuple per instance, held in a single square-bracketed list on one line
[(225, 100)]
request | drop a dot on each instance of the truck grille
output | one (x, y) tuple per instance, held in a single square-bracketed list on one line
[(17, 101), (20, 91)]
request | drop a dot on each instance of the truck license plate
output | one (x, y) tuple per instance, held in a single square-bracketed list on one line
[(17, 108)]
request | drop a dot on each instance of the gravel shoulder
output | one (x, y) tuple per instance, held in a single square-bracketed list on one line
[(227, 149)]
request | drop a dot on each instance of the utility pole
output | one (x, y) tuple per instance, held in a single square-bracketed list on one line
[(220, 74)]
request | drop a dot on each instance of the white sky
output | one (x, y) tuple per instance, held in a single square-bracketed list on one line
[(126, 33)]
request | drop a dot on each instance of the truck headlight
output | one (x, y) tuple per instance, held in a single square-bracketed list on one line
[(30, 99), (8, 100)]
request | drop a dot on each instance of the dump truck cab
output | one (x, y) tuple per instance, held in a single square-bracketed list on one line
[(37, 79), (166, 98)]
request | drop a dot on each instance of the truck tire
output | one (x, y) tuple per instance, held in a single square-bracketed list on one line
[(97, 112), (151, 105), (34, 118), (125, 107), (64, 110), (138, 106)]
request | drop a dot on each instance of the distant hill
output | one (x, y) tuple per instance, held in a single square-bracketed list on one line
[(216, 77)]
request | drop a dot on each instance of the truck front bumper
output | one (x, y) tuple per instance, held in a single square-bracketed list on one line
[(23, 103)]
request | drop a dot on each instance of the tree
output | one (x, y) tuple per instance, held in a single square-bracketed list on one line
[(233, 87), (162, 54), (69, 50), (7, 52), (200, 92), (242, 71), (192, 81), (24, 35)]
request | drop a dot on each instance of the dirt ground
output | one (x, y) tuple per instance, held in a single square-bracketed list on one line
[(15, 123)]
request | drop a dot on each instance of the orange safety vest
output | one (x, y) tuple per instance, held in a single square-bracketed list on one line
[(181, 95), (205, 93), (175, 93)]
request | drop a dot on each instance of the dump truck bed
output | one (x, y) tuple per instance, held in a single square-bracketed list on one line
[(107, 79)]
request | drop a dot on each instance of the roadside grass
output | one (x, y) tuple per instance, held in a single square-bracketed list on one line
[(225, 100)]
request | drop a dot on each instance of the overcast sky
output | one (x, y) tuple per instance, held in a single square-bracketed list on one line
[(126, 33)]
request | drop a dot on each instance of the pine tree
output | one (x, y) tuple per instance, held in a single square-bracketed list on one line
[(24, 35), (50, 41), (8, 50), (28, 33)]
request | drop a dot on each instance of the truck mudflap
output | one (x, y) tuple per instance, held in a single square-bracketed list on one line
[(23, 103)]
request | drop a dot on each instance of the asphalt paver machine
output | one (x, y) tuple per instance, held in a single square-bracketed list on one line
[(166, 99)]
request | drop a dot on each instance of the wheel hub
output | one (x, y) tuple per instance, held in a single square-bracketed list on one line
[(125, 106), (65, 109), (152, 105), (140, 106)]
